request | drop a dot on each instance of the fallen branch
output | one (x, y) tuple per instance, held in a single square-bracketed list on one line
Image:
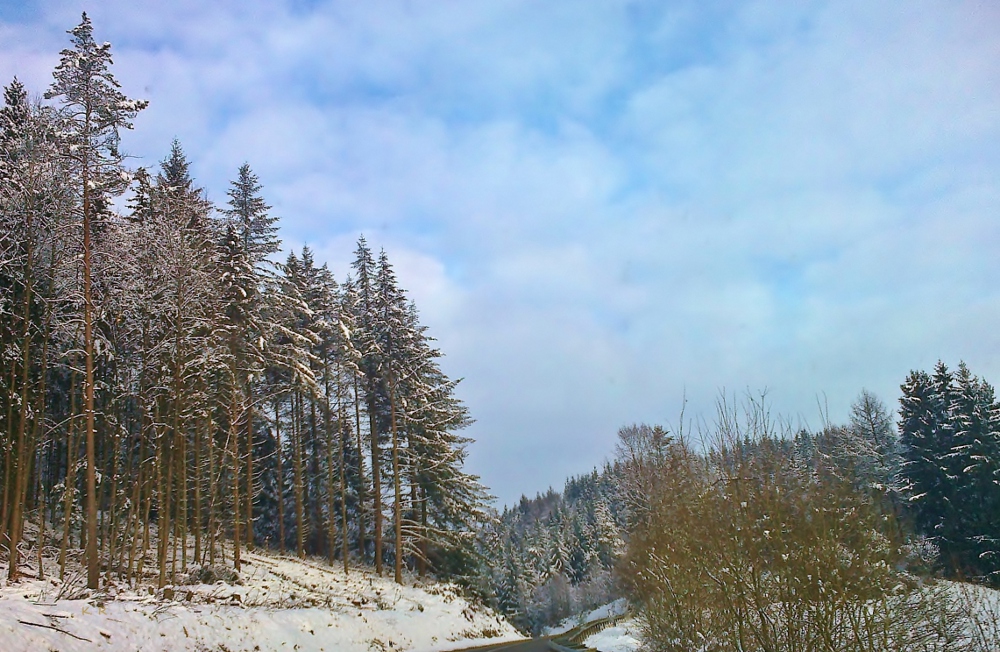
[(61, 631)]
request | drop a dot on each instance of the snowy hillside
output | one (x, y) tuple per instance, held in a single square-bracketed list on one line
[(615, 608), (282, 604)]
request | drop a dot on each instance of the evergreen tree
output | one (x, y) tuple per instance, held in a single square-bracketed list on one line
[(365, 318), (250, 216), (207, 386), (950, 444), (94, 111)]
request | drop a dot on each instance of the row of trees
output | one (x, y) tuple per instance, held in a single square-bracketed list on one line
[(165, 386), (554, 555)]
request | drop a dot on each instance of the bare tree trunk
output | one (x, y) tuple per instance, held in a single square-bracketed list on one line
[(376, 482), (138, 503), (197, 491), (250, 492), (313, 499), (183, 520), (235, 455), (112, 482), (331, 534), (362, 543), (297, 445), (422, 563), (213, 492), (70, 481), (8, 475), (162, 509), (15, 523), (281, 477), (40, 502), (93, 566), (343, 474), (397, 508), (172, 495)]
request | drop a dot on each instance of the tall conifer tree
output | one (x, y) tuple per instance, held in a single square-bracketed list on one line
[(94, 111)]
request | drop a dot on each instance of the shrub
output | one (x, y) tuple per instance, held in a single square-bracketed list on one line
[(743, 547)]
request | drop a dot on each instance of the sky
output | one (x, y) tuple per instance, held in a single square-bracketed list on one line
[(606, 211)]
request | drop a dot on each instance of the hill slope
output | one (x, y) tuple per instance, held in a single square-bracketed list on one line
[(282, 604)]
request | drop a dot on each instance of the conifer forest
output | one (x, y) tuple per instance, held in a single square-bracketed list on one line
[(171, 394)]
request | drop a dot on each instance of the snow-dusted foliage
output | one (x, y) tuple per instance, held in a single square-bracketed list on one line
[(172, 397), (950, 476), (554, 555), (763, 541)]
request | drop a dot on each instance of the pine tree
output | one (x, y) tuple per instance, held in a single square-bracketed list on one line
[(94, 111)]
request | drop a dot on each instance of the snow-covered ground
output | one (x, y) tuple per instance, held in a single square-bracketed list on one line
[(982, 621), (282, 604), (616, 608), (623, 637)]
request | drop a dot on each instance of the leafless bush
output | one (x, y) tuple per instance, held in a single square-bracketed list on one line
[(979, 609), (742, 548)]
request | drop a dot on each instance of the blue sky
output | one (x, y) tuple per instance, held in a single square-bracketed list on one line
[(602, 208)]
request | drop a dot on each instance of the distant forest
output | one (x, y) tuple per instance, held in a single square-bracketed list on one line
[(834, 530), (170, 395), (554, 555)]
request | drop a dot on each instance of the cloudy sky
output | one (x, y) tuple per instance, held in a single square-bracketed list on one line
[(604, 207)]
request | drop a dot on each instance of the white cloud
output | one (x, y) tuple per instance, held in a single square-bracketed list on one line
[(599, 209)]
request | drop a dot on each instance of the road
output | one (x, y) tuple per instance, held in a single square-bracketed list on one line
[(530, 645)]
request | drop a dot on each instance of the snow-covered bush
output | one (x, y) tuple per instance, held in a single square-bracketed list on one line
[(741, 547)]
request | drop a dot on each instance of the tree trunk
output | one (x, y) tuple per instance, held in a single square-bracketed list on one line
[(281, 477), (376, 482), (331, 533), (93, 566), (397, 508), (297, 445), (235, 454), (343, 473), (15, 522), (362, 542), (70, 481), (250, 493)]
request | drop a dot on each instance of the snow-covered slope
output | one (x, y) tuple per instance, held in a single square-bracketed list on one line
[(282, 604), (977, 606), (623, 637), (616, 608)]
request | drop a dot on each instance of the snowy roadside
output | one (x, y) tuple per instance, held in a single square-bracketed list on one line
[(616, 608), (623, 637), (282, 604), (982, 621)]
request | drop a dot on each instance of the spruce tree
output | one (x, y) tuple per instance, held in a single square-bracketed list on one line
[(249, 218), (365, 318), (950, 444)]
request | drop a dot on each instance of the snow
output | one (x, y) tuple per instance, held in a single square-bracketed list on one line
[(283, 604), (623, 637), (616, 608), (983, 628)]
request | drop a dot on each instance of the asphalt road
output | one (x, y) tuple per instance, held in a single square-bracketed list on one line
[(530, 645)]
